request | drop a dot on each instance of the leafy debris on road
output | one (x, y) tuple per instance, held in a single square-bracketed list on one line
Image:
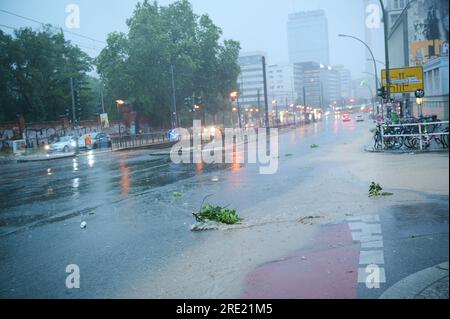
[(177, 194), (288, 155), (314, 146), (307, 220), (217, 213), (376, 190)]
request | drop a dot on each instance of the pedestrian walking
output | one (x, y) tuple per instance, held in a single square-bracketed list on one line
[(88, 141)]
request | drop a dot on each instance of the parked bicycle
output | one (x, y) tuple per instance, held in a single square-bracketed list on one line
[(412, 134)]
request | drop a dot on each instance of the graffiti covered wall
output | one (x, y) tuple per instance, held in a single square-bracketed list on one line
[(38, 134), (428, 25)]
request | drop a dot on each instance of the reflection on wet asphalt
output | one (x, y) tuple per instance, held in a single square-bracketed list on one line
[(135, 226), (41, 192)]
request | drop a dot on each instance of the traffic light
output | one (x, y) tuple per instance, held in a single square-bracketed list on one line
[(420, 93), (188, 102), (382, 93)]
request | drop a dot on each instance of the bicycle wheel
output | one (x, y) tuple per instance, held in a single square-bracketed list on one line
[(377, 141), (389, 142), (444, 139)]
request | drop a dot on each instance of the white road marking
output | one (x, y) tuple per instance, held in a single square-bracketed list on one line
[(367, 257), (367, 230)]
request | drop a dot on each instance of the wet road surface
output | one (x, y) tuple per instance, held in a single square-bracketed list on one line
[(135, 224)]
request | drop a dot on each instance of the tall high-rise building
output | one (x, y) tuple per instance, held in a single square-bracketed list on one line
[(251, 80), (308, 37), (345, 80), (321, 84), (368, 35), (285, 83)]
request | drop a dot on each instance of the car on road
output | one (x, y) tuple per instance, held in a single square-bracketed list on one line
[(359, 118), (100, 140), (63, 144), (346, 118), (82, 139)]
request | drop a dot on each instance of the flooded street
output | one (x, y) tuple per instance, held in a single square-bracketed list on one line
[(134, 223), (138, 243)]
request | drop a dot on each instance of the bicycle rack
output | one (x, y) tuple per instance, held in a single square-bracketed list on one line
[(420, 135)]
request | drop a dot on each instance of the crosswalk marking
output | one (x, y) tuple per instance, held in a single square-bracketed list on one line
[(367, 230)]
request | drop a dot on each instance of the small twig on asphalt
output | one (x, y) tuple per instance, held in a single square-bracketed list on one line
[(203, 201)]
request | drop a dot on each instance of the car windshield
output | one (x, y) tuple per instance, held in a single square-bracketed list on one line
[(65, 139)]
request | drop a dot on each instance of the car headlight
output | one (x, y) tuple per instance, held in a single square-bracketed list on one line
[(47, 147)]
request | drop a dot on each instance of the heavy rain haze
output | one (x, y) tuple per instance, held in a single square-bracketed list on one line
[(258, 25), (224, 149)]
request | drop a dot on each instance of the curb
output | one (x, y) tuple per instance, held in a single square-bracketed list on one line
[(370, 149), (42, 158), (411, 286)]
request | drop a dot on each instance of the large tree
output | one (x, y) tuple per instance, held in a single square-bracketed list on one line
[(36, 68), (136, 66)]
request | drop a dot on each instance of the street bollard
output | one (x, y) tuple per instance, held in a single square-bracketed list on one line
[(420, 136)]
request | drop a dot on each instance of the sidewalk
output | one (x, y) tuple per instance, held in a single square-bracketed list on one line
[(430, 283)]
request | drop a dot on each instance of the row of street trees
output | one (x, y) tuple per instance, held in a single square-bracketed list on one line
[(35, 72), (136, 66), (36, 68)]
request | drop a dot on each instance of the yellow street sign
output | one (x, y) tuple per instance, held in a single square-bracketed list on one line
[(404, 80)]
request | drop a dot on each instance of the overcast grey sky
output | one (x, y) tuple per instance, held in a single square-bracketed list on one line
[(257, 24)]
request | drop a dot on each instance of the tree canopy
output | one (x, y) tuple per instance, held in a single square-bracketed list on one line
[(36, 68), (136, 66)]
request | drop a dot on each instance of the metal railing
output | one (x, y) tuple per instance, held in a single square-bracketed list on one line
[(422, 134), (137, 141)]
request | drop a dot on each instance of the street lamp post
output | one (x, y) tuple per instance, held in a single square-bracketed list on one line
[(118, 104), (373, 58), (293, 113), (386, 48), (275, 102), (234, 96), (233, 110), (363, 83)]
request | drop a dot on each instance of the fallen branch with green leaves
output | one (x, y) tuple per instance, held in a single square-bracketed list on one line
[(218, 214), (375, 190)]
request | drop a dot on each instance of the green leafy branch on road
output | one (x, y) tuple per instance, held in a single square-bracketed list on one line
[(314, 146), (218, 214), (376, 190)]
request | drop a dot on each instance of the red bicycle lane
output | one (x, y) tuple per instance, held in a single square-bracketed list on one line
[(328, 269)]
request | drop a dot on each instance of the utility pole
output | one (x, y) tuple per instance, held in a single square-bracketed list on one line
[(287, 107), (304, 106), (174, 115), (386, 49), (259, 106), (74, 114), (321, 94), (266, 102), (239, 111)]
